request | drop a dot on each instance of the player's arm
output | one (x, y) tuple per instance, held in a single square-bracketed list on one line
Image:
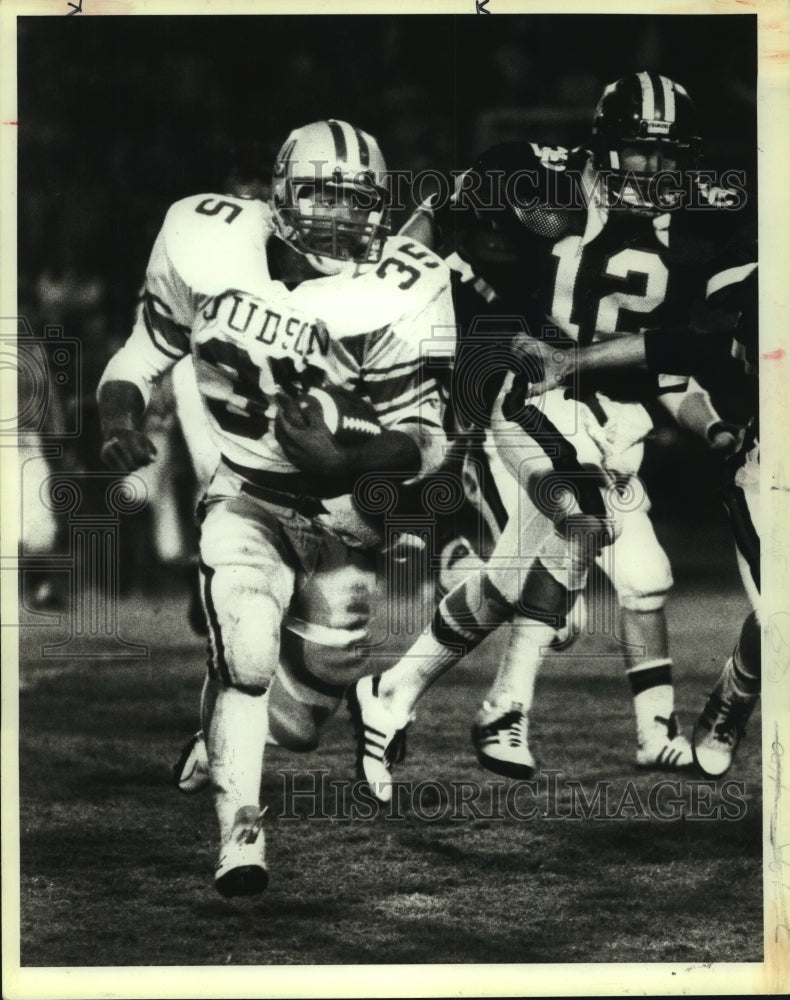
[(422, 225), (405, 396), (693, 410), (731, 301), (308, 443), (159, 338), (661, 351), (402, 379), (121, 410)]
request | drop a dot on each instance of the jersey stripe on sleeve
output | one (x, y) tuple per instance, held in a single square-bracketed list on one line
[(170, 337)]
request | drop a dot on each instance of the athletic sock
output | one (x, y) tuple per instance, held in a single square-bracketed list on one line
[(235, 726), (518, 671), (654, 696), (469, 613)]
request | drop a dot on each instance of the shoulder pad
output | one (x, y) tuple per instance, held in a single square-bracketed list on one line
[(524, 187), (217, 241), (511, 158), (409, 275), (409, 249), (406, 280)]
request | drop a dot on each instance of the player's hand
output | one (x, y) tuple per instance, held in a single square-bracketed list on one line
[(127, 450), (725, 439), (543, 366), (306, 440)]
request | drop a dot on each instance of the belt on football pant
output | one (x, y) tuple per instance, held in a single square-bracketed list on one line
[(285, 489)]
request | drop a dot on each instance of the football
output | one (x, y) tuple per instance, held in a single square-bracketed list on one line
[(349, 417)]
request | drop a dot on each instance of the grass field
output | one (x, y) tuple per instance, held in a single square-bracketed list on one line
[(117, 867)]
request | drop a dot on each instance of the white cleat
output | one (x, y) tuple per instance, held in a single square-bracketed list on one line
[(665, 749), (718, 731), (500, 738), (191, 773), (380, 737), (241, 870)]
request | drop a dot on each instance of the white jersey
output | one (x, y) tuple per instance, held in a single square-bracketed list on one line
[(209, 291)]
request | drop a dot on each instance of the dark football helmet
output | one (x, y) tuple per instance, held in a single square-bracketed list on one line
[(645, 136)]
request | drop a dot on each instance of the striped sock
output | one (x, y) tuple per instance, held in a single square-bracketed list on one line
[(654, 696)]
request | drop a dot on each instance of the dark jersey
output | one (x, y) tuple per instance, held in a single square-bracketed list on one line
[(720, 358), (530, 224)]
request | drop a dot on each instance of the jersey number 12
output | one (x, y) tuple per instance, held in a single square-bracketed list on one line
[(637, 278)]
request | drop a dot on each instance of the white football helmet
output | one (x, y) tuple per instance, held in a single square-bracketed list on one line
[(329, 195)]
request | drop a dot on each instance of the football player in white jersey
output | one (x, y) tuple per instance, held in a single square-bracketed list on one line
[(271, 300), (625, 256)]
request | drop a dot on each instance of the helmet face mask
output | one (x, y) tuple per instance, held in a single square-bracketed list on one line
[(329, 196), (335, 220), (645, 139), (644, 178)]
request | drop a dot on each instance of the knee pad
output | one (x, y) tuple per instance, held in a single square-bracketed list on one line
[(638, 566), (244, 627), (323, 657), (294, 723), (642, 602), (543, 597), (476, 606), (317, 664)]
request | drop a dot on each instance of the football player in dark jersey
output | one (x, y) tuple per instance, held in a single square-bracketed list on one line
[(722, 722), (573, 247)]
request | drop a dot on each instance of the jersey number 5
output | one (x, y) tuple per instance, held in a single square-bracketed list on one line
[(210, 206)]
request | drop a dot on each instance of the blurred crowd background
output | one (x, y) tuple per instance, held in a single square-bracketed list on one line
[(120, 116)]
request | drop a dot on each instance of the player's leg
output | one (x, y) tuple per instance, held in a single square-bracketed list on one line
[(481, 602), (501, 730), (473, 607), (642, 577), (324, 645), (558, 476), (466, 538), (558, 500), (322, 651), (247, 585), (204, 457), (464, 618), (382, 707), (722, 723)]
